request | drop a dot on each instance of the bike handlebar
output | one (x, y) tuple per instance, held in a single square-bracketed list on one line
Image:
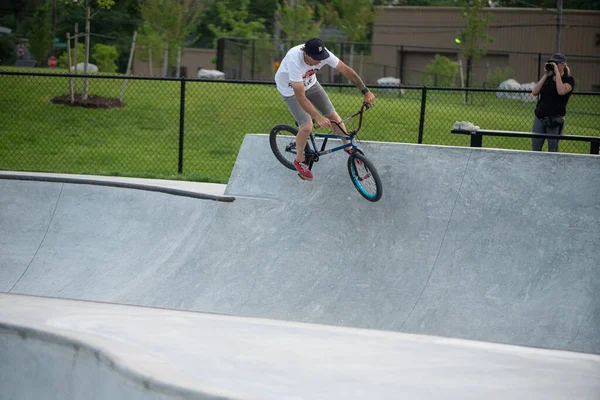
[(365, 106)]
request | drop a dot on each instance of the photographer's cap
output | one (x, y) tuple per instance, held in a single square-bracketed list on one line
[(558, 58), (315, 49)]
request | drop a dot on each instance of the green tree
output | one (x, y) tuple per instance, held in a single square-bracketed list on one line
[(298, 20), (91, 9), (257, 10), (40, 34), (263, 9), (105, 57), (115, 27), (168, 24), (474, 37), (440, 72), (352, 17), (236, 22)]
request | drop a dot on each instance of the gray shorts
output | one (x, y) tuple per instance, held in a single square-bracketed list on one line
[(317, 96)]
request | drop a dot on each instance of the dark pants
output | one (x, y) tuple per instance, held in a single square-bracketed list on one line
[(539, 127)]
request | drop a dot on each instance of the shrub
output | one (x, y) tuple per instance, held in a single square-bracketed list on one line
[(496, 77), (440, 72), (63, 61), (105, 57)]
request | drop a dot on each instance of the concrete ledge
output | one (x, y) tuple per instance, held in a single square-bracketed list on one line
[(204, 191), (63, 349)]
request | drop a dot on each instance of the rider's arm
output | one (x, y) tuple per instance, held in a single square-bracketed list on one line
[(304, 102), (354, 78), (351, 75)]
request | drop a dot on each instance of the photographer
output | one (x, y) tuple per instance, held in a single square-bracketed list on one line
[(554, 87)]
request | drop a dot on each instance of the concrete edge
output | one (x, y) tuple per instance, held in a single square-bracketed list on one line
[(146, 382), (465, 148), (110, 183)]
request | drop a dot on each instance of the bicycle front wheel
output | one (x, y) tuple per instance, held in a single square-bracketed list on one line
[(283, 143), (364, 176)]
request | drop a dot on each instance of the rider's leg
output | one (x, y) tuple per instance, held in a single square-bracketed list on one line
[(304, 123), (317, 96), (301, 139), (335, 117)]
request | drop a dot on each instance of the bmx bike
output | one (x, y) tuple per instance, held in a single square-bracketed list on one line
[(362, 172)]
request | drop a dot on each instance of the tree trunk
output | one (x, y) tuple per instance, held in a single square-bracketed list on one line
[(76, 53), (71, 93), (131, 52)]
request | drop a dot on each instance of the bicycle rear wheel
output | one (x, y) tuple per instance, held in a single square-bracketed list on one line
[(364, 176), (283, 143)]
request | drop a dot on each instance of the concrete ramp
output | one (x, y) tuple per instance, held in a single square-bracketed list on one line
[(66, 349), (499, 246)]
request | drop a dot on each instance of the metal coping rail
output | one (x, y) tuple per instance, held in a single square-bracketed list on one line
[(477, 137), (125, 185)]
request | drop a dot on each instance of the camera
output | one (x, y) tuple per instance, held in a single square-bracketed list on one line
[(549, 66)]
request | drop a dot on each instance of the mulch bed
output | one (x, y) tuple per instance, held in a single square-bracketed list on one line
[(91, 102)]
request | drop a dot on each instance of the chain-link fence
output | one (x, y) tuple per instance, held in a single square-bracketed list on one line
[(193, 129)]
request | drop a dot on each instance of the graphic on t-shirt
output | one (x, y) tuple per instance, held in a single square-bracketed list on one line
[(310, 73), (307, 77)]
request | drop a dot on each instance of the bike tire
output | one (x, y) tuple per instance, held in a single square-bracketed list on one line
[(365, 177), (280, 139)]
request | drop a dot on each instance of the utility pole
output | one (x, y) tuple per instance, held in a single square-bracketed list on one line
[(559, 11)]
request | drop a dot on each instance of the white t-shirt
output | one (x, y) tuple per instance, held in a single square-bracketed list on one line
[(294, 69)]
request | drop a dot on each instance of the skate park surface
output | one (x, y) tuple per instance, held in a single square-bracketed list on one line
[(476, 275)]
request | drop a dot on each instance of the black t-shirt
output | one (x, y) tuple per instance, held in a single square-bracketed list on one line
[(551, 103)]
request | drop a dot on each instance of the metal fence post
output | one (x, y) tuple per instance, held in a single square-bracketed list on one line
[(476, 140), (181, 124), (220, 54), (422, 117), (253, 57), (400, 62)]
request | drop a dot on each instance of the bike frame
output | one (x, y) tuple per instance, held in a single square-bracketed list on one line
[(349, 135)]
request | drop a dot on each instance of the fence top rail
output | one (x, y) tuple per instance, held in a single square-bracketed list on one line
[(397, 46), (527, 135), (134, 77), (256, 82)]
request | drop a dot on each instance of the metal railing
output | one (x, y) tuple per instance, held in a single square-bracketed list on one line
[(477, 137)]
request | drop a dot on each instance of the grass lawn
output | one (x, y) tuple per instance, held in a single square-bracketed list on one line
[(142, 138)]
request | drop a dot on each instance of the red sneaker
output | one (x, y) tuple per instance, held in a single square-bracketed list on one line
[(303, 170)]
